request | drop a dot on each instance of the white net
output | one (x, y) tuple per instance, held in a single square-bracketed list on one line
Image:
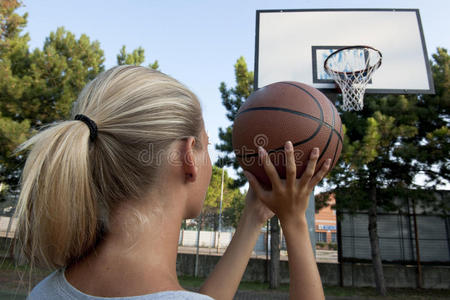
[(352, 69)]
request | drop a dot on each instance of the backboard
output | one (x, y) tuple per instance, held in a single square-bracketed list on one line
[(294, 44)]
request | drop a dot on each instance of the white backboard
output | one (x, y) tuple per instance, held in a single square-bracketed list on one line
[(293, 45)]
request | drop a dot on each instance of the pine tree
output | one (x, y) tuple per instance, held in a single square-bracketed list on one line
[(393, 139), (37, 87), (136, 58), (14, 57), (232, 99)]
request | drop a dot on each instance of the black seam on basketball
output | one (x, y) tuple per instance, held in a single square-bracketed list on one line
[(314, 98), (320, 108), (292, 112), (320, 121), (299, 87), (334, 157), (293, 144), (282, 147), (331, 134)]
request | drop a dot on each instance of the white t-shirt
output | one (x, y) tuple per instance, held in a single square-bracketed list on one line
[(55, 286)]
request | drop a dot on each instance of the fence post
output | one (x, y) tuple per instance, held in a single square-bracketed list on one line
[(419, 268), (339, 242), (198, 246)]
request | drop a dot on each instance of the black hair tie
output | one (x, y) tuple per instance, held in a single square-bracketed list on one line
[(90, 123)]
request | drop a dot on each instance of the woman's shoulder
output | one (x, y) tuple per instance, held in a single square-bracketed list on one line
[(48, 288), (55, 286), (175, 295)]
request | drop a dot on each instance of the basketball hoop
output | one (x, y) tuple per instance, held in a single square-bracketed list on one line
[(352, 68)]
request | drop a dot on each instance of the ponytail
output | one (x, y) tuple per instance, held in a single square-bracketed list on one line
[(57, 213)]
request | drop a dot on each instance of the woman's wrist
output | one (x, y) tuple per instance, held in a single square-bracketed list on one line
[(294, 223), (251, 218)]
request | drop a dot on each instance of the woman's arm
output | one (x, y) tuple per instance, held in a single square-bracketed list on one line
[(289, 200), (223, 282), (305, 282)]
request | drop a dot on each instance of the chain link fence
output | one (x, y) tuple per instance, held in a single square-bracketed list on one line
[(398, 237)]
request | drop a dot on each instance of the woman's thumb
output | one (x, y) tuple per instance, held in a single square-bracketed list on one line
[(253, 182)]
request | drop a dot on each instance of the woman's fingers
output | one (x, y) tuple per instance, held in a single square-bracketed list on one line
[(291, 168), (321, 174), (271, 172), (310, 167)]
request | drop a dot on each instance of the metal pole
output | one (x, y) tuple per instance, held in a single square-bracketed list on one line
[(220, 211), (419, 268), (310, 217), (447, 229), (339, 241), (221, 199)]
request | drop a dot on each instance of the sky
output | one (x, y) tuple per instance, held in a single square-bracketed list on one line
[(194, 41)]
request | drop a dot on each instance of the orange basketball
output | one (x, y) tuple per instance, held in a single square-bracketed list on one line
[(285, 111)]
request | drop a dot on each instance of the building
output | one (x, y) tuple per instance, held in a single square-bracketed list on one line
[(326, 223)]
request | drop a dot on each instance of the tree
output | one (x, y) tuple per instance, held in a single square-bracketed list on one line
[(232, 214), (430, 146), (386, 145), (38, 87), (13, 59), (232, 99), (58, 73), (211, 206), (136, 58)]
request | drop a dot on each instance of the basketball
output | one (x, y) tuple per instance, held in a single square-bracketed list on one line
[(285, 111)]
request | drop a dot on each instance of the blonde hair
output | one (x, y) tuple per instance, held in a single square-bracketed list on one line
[(70, 184)]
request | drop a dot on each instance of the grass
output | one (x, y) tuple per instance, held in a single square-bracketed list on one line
[(393, 293), (14, 284), (360, 293), (192, 282)]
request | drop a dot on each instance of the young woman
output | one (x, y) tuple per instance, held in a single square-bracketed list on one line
[(104, 195)]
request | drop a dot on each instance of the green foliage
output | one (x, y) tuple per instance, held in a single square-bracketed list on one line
[(391, 141), (58, 73), (212, 201), (232, 214), (321, 201), (136, 58), (232, 99), (38, 87), (332, 246), (12, 133), (326, 246), (232, 202), (13, 59)]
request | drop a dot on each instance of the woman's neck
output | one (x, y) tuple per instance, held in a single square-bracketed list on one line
[(137, 256)]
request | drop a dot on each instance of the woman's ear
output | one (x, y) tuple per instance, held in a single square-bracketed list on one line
[(188, 160)]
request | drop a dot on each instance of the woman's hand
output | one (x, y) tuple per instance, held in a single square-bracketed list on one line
[(254, 207), (289, 200), (289, 197)]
